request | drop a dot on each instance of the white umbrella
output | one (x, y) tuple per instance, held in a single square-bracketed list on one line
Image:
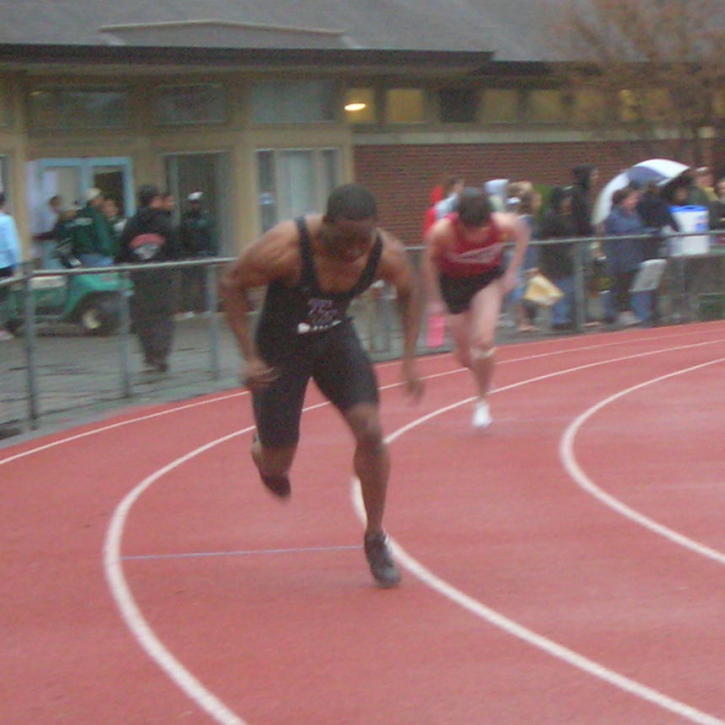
[(657, 170)]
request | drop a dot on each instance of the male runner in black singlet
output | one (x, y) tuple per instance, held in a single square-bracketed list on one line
[(313, 267)]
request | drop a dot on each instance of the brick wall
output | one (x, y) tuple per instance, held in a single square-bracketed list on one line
[(401, 177)]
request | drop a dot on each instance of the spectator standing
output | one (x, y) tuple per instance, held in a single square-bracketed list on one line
[(701, 191), (717, 208), (110, 209), (437, 194), (624, 255), (654, 211), (47, 241), (527, 211), (198, 238), (585, 177), (557, 260), (453, 189), (9, 254), (92, 240), (149, 237)]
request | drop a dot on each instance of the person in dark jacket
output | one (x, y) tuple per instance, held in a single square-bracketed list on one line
[(624, 255), (717, 208), (654, 211), (148, 237), (557, 260), (584, 178), (91, 235), (198, 239)]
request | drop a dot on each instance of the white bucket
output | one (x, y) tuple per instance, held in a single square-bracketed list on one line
[(690, 219)]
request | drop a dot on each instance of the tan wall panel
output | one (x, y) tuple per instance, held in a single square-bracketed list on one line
[(14, 147)]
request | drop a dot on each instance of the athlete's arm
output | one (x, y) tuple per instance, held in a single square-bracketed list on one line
[(435, 244), (513, 229), (270, 257), (395, 268)]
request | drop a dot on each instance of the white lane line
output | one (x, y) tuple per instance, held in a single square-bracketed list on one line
[(239, 393), (530, 637), (121, 593), (570, 463), (242, 552), (130, 612), (120, 424), (499, 620)]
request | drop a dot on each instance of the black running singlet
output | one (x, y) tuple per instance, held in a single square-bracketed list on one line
[(302, 310)]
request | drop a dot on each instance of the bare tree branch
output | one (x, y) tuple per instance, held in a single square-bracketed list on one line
[(659, 66)]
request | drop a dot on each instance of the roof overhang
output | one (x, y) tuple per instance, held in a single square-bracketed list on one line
[(175, 58)]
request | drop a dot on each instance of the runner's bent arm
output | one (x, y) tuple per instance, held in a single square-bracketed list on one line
[(434, 247), (396, 269), (271, 257), (518, 232)]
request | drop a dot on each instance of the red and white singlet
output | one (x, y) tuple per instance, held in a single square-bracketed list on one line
[(466, 259)]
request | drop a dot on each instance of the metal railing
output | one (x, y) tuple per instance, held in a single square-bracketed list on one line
[(51, 369)]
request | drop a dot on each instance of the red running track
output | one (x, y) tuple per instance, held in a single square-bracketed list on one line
[(564, 566)]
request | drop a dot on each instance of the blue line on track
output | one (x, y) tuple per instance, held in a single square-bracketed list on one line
[(242, 552)]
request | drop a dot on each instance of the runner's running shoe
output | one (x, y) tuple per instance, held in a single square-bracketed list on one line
[(481, 415), (381, 562), (278, 485)]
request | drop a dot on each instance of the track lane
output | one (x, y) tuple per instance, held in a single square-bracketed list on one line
[(325, 518), (312, 519)]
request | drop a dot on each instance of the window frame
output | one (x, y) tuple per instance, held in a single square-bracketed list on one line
[(59, 91), (476, 97), (225, 112), (334, 89)]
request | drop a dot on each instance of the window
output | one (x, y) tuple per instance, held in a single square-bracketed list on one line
[(208, 173), (457, 105), (404, 105), (629, 106), (294, 181), (719, 104), (545, 106), (191, 104), (500, 105), (360, 105), (79, 108), (294, 101), (589, 106), (6, 116), (658, 104)]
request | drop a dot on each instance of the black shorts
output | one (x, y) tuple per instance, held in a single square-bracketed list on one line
[(335, 360), (457, 292)]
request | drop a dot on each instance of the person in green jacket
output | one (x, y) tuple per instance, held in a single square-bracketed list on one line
[(92, 237)]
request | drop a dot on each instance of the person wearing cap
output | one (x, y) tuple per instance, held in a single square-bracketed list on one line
[(198, 239), (92, 237), (149, 238)]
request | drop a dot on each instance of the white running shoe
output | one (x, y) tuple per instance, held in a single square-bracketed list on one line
[(628, 319), (481, 415)]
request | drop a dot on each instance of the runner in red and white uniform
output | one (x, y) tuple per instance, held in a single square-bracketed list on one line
[(465, 277)]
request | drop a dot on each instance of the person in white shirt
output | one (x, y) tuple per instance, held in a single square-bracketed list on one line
[(9, 253)]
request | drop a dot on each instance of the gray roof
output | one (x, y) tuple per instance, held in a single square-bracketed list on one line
[(514, 30)]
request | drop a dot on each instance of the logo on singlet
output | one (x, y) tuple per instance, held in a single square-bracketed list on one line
[(478, 255), (322, 314)]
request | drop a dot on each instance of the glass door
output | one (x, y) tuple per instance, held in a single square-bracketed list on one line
[(69, 178), (209, 174)]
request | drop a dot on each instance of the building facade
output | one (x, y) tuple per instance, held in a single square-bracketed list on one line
[(266, 131)]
